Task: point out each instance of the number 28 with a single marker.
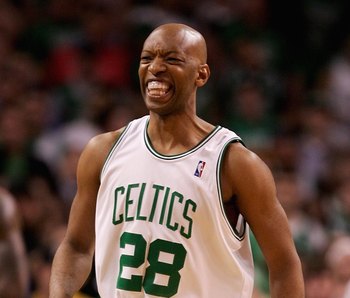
(147, 282)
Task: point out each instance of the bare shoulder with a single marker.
(238, 155)
(242, 170)
(93, 157)
(104, 142)
(100, 145)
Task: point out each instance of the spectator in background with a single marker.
(250, 116)
(14, 278)
(309, 236)
(339, 87)
(338, 263)
(338, 211)
(17, 160)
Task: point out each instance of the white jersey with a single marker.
(161, 229)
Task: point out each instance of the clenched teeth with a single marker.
(156, 88)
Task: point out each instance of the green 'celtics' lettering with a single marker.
(154, 203)
(165, 201)
(183, 232)
(171, 207)
(139, 205)
(129, 201)
(121, 190)
(155, 200)
(156, 265)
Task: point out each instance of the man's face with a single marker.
(168, 70)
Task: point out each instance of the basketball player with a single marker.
(13, 262)
(151, 196)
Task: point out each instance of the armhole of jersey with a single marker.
(239, 230)
(111, 151)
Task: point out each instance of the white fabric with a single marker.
(138, 188)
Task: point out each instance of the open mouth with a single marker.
(157, 88)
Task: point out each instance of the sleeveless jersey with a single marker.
(161, 229)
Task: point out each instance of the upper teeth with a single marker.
(157, 85)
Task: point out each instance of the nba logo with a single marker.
(200, 168)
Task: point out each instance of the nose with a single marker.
(157, 66)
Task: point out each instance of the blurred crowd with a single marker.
(280, 79)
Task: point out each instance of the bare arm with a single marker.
(248, 177)
(73, 259)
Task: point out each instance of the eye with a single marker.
(145, 59)
(173, 60)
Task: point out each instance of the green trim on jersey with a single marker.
(238, 235)
(115, 145)
(176, 156)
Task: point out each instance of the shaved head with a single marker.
(188, 38)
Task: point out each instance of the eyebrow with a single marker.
(167, 53)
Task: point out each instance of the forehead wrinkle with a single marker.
(188, 41)
(157, 48)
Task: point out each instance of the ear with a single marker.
(203, 75)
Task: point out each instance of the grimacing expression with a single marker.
(172, 66)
